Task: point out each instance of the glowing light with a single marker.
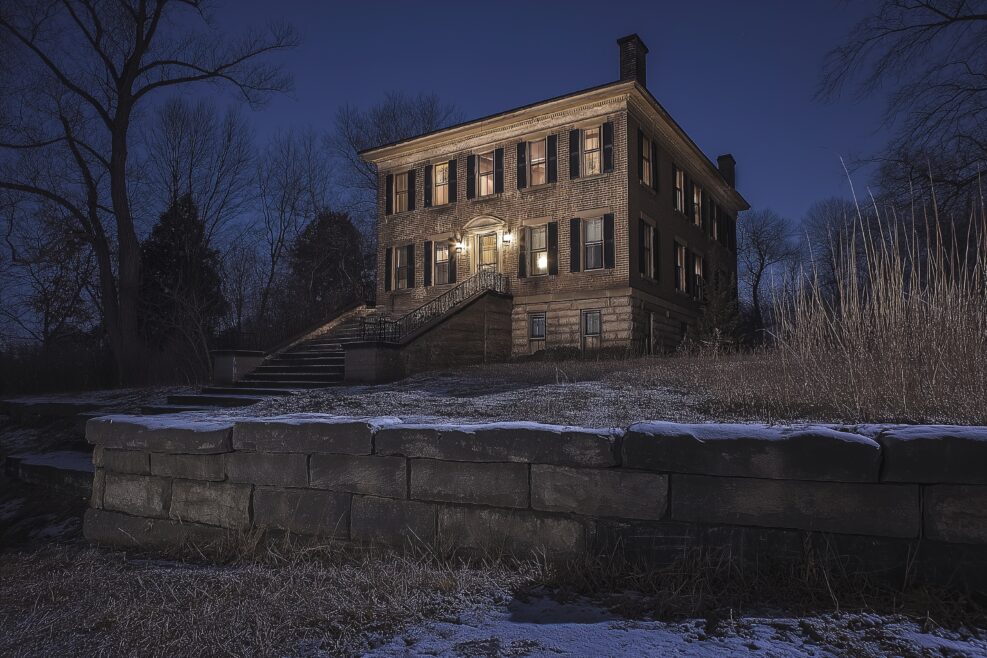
(543, 261)
(508, 238)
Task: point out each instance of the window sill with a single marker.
(536, 188)
(650, 190)
(401, 291)
(487, 197)
(593, 177)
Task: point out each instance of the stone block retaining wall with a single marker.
(889, 497)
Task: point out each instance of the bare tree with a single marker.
(393, 119)
(195, 153)
(765, 243)
(77, 74)
(293, 183)
(931, 55)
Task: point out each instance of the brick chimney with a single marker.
(728, 168)
(633, 59)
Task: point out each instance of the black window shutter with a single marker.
(411, 265)
(452, 181)
(654, 166)
(411, 189)
(522, 166)
(427, 203)
(608, 246)
(656, 253)
(574, 153)
(690, 267)
(427, 265)
(640, 247)
(389, 195)
(608, 146)
(452, 261)
(522, 254)
(640, 154)
(553, 247)
(575, 248)
(499, 171)
(553, 158)
(470, 176)
(675, 181)
(689, 198)
(388, 258)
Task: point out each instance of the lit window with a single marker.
(537, 168)
(485, 174)
(647, 250)
(680, 190)
(646, 161)
(714, 221)
(591, 151)
(680, 274)
(401, 192)
(440, 181)
(536, 332)
(539, 250)
(401, 268)
(697, 205)
(593, 239)
(441, 263)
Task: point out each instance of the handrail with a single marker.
(384, 330)
(302, 335)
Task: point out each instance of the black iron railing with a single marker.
(385, 330)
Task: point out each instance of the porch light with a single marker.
(460, 247)
(508, 238)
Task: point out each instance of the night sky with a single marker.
(738, 76)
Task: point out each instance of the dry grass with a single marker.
(87, 602)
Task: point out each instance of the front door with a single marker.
(487, 252)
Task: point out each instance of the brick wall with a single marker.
(888, 495)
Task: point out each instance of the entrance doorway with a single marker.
(487, 257)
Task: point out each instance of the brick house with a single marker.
(605, 221)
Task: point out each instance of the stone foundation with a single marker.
(886, 499)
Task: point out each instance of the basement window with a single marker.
(536, 332)
(591, 329)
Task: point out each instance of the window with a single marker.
(699, 281)
(440, 183)
(536, 332)
(401, 268)
(593, 241)
(485, 174)
(539, 250)
(680, 190)
(697, 205)
(647, 250)
(646, 161)
(537, 166)
(487, 257)
(590, 330)
(680, 282)
(714, 221)
(401, 192)
(441, 263)
(591, 151)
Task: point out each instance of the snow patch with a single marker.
(704, 432)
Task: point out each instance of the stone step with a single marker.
(66, 470)
(307, 361)
(287, 383)
(158, 409)
(330, 378)
(215, 400)
(328, 368)
(247, 390)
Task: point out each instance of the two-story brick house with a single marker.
(606, 219)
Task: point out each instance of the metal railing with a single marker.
(385, 330)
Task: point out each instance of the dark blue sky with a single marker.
(738, 76)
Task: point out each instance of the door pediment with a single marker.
(484, 223)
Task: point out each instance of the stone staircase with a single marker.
(317, 361)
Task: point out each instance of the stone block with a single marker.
(362, 474)
(956, 513)
(935, 454)
(125, 461)
(502, 442)
(392, 522)
(510, 531)
(115, 529)
(97, 456)
(599, 492)
(499, 485)
(221, 504)
(303, 511)
(886, 510)
(276, 470)
(99, 487)
(165, 433)
(139, 495)
(189, 467)
(757, 451)
(308, 433)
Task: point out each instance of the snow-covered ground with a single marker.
(542, 627)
